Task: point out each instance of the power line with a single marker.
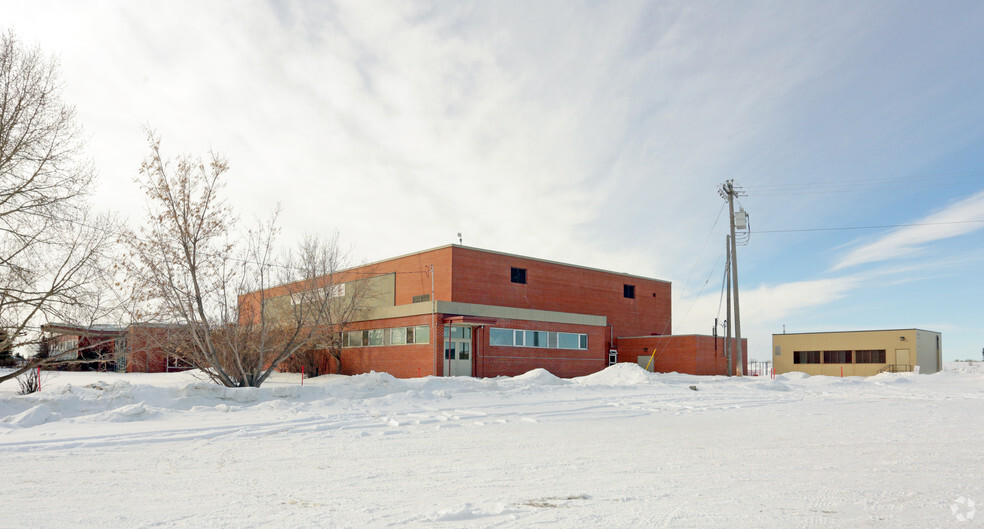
(850, 190)
(855, 186)
(930, 180)
(701, 254)
(874, 227)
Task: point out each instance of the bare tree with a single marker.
(49, 245)
(243, 307)
(325, 293)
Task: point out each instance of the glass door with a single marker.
(457, 351)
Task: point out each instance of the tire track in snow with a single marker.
(257, 429)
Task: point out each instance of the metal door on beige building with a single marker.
(457, 351)
(902, 358)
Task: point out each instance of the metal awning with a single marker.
(468, 321)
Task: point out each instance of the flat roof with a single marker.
(81, 330)
(845, 332)
(721, 336)
(508, 255)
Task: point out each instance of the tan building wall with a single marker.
(852, 353)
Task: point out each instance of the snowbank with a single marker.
(619, 448)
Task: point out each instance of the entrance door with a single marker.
(457, 351)
(902, 359)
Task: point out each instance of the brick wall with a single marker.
(492, 361)
(692, 354)
(402, 361)
(470, 275)
(484, 278)
(405, 361)
(146, 349)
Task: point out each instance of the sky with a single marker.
(594, 133)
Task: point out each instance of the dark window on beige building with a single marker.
(837, 357)
(806, 357)
(870, 356)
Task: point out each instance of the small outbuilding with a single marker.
(858, 353)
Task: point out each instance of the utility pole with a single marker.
(727, 321)
(433, 329)
(728, 192)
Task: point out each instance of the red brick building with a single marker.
(137, 348)
(457, 310)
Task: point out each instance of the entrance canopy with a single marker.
(469, 321)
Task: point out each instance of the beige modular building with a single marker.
(858, 353)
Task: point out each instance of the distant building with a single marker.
(861, 353)
(136, 348)
(483, 313)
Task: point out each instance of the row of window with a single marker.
(546, 339)
(391, 336)
(864, 356)
(332, 291)
(500, 337)
(518, 275)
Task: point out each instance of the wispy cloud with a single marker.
(556, 130)
(962, 217)
(579, 131)
(773, 302)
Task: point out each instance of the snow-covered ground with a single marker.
(621, 448)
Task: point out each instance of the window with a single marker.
(535, 339)
(806, 357)
(870, 356)
(455, 331)
(518, 275)
(318, 294)
(421, 298)
(421, 334)
(628, 291)
(569, 340)
(391, 336)
(837, 357)
(501, 337)
(538, 339)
